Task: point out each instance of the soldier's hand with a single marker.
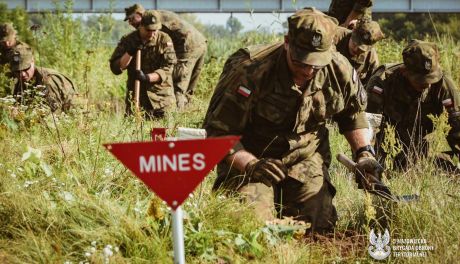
(141, 76)
(132, 49)
(368, 170)
(267, 171)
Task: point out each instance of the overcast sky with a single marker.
(273, 21)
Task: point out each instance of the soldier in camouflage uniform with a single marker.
(357, 46)
(56, 89)
(278, 98)
(190, 46)
(157, 62)
(347, 11)
(8, 41)
(133, 15)
(406, 94)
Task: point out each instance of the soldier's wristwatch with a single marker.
(367, 148)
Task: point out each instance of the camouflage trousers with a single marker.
(305, 195)
(185, 76)
(154, 101)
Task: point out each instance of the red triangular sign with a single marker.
(172, 169)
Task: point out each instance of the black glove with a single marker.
(267, 171)
(141, 76)
(132, 49)
(368, 170)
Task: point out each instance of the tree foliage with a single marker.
(402, 26)
(20, 20)
(234, 25)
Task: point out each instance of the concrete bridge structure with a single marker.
(233, 6)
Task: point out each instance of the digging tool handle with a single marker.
(137, 83)
(379, 188)
(347, 162)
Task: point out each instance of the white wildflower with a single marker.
(29, 183)
(108, 171)
(67, 196)
(107, 253)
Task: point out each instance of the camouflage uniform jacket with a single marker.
(57, 89)
(340, 9)
(186, 38)
(257, 99)
(157, 55)
(5, 54)
(390, 94)
(365, 64)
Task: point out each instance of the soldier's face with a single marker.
(353, 48)
(419, 86)
(27, 74)
(416, 84)
(135, 20)
(147, 34)
(9, 42)
(301, 72)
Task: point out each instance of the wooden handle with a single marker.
(347, 162)
(137, 83)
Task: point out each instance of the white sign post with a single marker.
(178, 235)
(178, 214)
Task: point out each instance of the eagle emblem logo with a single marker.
(366, 36)
(316, 40)
(379, 248)
(428, 65)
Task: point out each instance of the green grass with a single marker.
(63, 197)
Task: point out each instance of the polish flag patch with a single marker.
(447, 103)
(244, 91)
(377, 90)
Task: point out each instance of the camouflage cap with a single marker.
(21, 59)
(421, 59)
(136, 8)
(366, 33)
(151, 20)
(6, 31)
(311, 33)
